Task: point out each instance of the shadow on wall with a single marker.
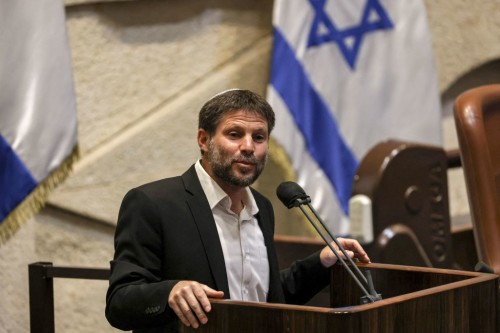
(487, 73)
(149, 13)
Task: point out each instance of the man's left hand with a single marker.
(352, 247)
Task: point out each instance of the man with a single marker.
(207, 234)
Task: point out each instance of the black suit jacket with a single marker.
(166, 233)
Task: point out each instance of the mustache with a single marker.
(246, 159)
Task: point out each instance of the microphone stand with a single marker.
(369, 297)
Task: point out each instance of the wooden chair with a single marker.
(477, 120)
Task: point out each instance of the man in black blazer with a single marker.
(207, 234)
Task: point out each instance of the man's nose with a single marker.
(247, 144)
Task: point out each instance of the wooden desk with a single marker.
(416, 299)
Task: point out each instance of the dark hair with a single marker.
(237, 99)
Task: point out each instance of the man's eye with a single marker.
(259, 138)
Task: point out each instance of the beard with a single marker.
(222, 166)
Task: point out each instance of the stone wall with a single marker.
(142, 71)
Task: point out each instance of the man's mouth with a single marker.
(245, 162)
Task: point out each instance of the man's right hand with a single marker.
(189, 300)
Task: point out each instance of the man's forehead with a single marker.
(242, 115)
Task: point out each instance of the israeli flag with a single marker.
(346, 75)
(38, 125)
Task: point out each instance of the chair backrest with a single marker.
(477, 120)
(407, 186)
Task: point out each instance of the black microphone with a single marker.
(292, 195)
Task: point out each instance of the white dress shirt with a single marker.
(245, 254)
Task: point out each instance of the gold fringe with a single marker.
(37, 198)
(283, 162)
(281, 158)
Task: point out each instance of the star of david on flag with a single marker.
(346, 75)
(324, 30)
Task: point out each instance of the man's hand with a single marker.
(189, 300)
(352, 248)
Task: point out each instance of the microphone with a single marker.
(292, 195)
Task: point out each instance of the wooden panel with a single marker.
(418, 300)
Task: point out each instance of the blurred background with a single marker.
(142, 70)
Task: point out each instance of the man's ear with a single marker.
(203, 139)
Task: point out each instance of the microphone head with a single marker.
(291, 194)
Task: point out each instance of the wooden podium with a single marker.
(415, 299)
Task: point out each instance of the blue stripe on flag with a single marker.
(16, 181)
(313, 118)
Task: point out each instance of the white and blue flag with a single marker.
(346, 75)
(38, 125)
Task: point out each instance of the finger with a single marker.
(358, 250)
(355, 246)
(177, 301)
(349, 253)
(188, 313)
(205, 293)
(212, 292)
(198, 302)
(179, 313)
(202, 298)
(180, 295)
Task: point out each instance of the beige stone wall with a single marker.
(142, 70)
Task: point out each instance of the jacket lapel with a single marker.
(203, 218)
(265, 218)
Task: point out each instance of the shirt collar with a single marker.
(215, 194)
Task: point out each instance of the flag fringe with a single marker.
(282, 160)
(35, 201)
(280, 157)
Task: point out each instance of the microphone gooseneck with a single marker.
(292, 195)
